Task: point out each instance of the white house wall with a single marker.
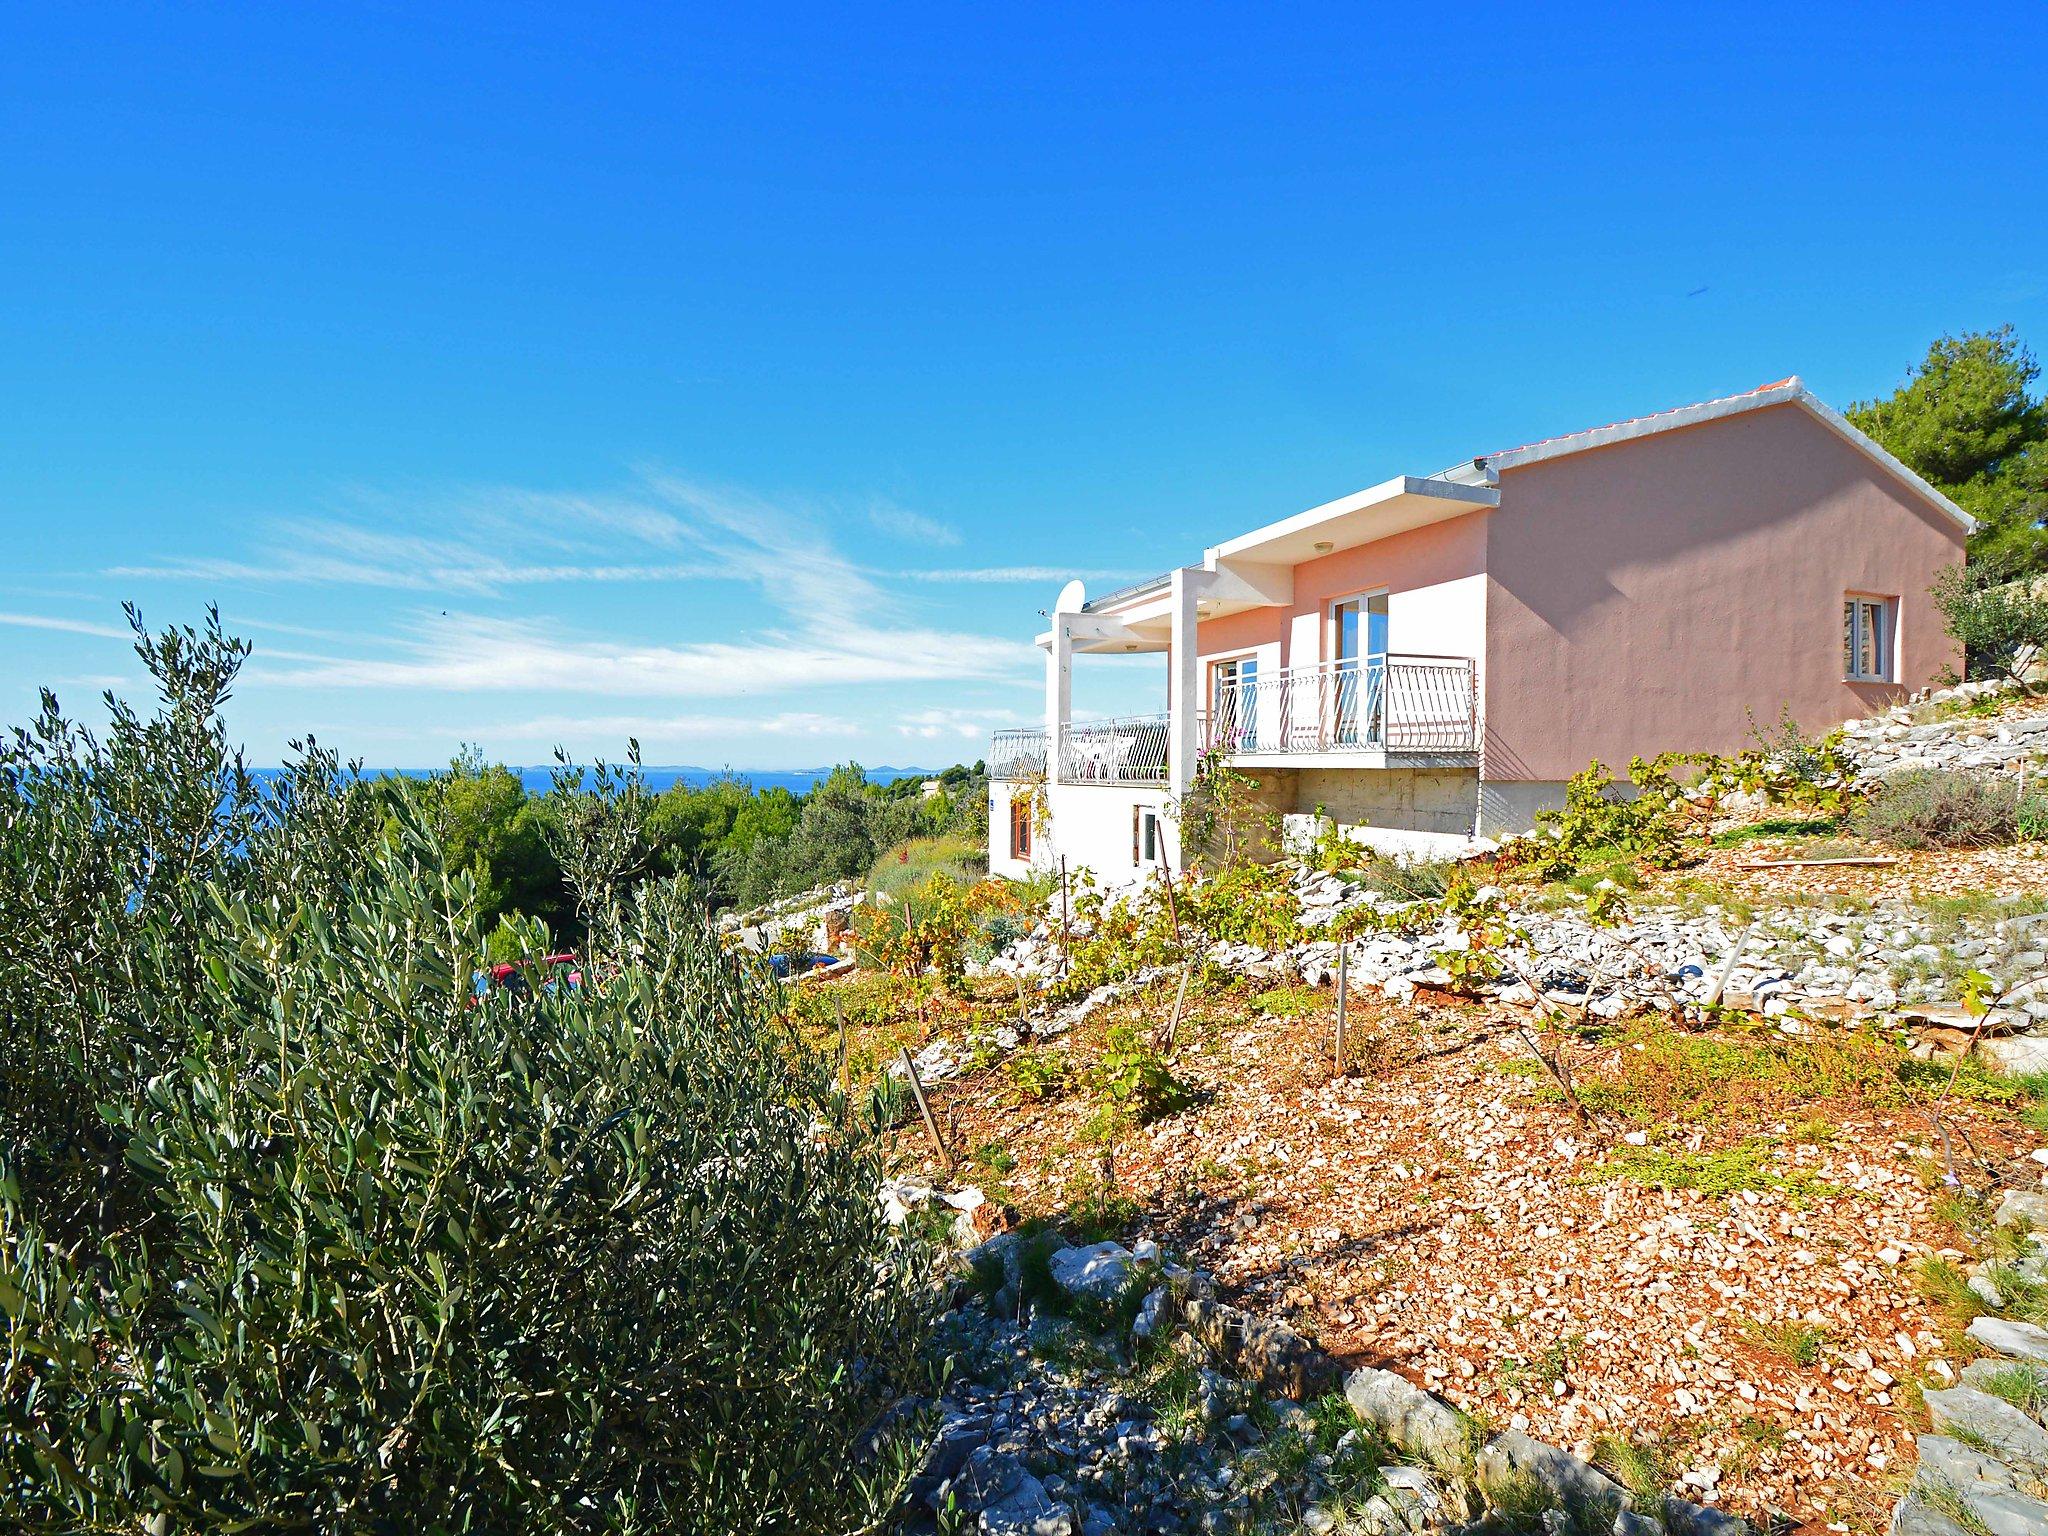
(1091, 827)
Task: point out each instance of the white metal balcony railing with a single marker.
(1131, 750)
(1399, 704)
(1015, 755)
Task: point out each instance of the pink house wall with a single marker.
(1435, 577)
(1644, 597)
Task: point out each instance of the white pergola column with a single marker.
(1059, 694)
(1184, 682)
(1059, 677)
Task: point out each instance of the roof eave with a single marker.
(1456, 498)
(1873, 449)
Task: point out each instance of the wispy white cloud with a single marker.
(468, 652)
(666, 528)
(826, 620)
(66, 626)
(902, 523)
(340, 552)
(942, 723)
(995, 575)
(99, 682)
(237, 623)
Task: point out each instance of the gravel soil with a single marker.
(1442, 1211)
(2019, 872)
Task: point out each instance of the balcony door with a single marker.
(1358, 644)
(1234, 703)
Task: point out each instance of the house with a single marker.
(1429, 659)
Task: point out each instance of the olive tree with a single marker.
(299, 1232)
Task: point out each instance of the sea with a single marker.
(538, 781)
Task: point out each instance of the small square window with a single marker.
(1867, 640)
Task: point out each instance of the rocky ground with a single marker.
(1982, 727)
(1984, 1464)
(1691, 1241)
(1097, 1389)
(1443, 1213)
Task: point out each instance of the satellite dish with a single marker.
(1073, 597)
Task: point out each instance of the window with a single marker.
(1147, 847)
(1867, 639)
(1359, 629)
(1020, 826)
(1234, 703)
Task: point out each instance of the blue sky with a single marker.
(746, 379)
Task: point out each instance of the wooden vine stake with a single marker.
(924, 1108)
(1343, 996)
(1063, 911)
(845, 1077)
(1180, 997)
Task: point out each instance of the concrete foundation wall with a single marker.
(1410, 799)
(1510, 805)
(1273, 799)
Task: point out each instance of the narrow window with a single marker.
(1020, 827)
(1867, 640)
(1144, 836)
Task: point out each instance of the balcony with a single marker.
(1402, 704)
(1130, 750)
(1365, 714)
(1016, 755)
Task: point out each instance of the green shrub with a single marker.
(1787, 766)
(1797, 1341)
(298, 1233)
(1289, 1002)
(1222, 819)
(1416, 880)
(1656, 1073)
(1997, 613)
(1101, 1213)
(865, 1000)
(1601, 815)
(1643, 1469)
(1940, 808)
(1777, 826)
(1041, 1073)
(2030, 824)
(1244, 904)
(2024, 1386)
(910, 864)
(1729, 1171)
(1134, 1078)
(997, 932)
